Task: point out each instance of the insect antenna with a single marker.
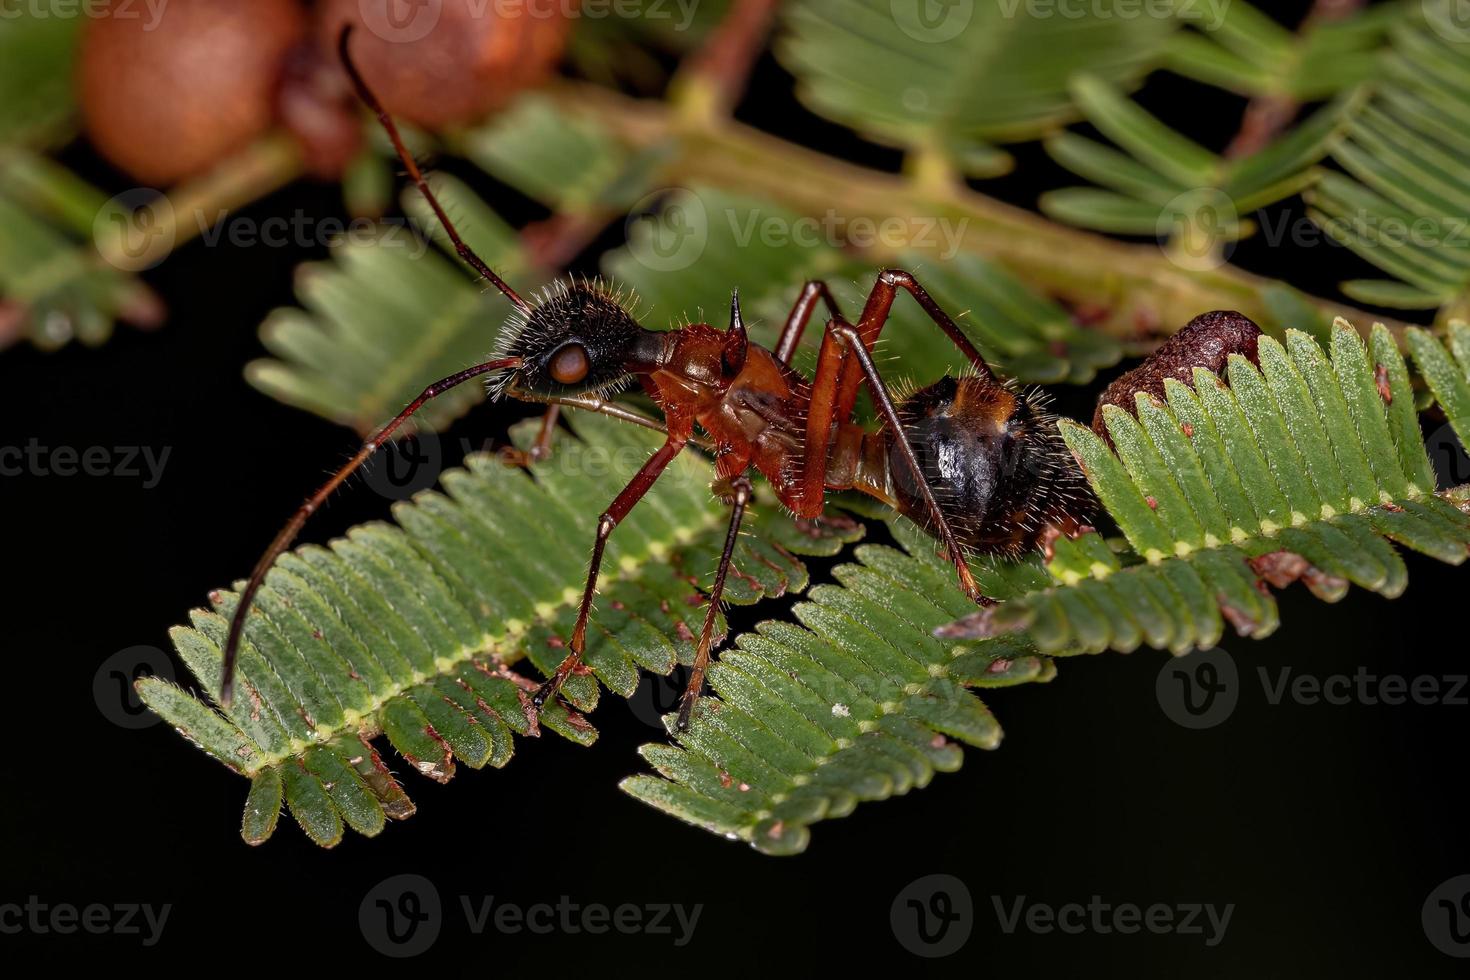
(287, 534)
(465, 252)
(293, 527)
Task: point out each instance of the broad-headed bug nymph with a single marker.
(973, 459)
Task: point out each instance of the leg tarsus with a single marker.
(540, 449)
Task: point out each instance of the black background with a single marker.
(1325, 826)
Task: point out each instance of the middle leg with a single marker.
(741, 491)
(642, 481)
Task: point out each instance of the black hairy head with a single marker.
(577, 338)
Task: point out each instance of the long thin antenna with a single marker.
(293, 527)
(371, 100)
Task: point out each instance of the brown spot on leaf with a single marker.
(1188, 429)
(1380, 379)
(1242, 622)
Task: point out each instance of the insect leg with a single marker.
(616, 511)
(875, 315)
(801, 314)
(293, 527)
(371, 101)
(843, 336)
(541, 447)
(743, 491)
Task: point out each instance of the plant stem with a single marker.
(1140, 289)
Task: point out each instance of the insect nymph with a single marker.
(974, 460)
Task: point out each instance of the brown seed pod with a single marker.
(440, 62)
(1207, 341)
(166, 98)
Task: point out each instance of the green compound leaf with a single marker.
(408, 632)
(1236, 47)
(951, 79)
(1301, 470)
(1159, 182)
(1400, 206)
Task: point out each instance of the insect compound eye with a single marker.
(570, 364)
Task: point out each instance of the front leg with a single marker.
(642, 481)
